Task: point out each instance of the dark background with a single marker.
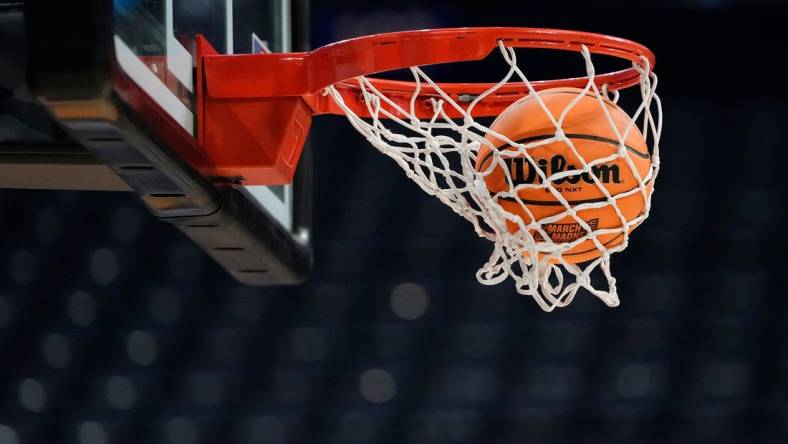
(115, 329)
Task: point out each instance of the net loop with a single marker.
(439, 153)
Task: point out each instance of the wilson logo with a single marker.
(523, 171)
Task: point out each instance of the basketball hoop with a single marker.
(430, 130)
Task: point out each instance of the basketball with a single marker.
(589, 129)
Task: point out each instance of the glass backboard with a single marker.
(154, 46)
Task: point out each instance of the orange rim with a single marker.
(307, 74)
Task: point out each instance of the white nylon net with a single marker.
(440, 153)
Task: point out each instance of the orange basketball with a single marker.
(592, 135)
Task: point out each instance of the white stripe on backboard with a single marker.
(228, 26)
(286, 25)
(179, 61)
(148, 82)
(280, 210)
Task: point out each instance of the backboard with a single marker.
(154, 45)
(123, 87)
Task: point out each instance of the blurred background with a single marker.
(114, 328)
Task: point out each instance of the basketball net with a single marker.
(440, 153)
